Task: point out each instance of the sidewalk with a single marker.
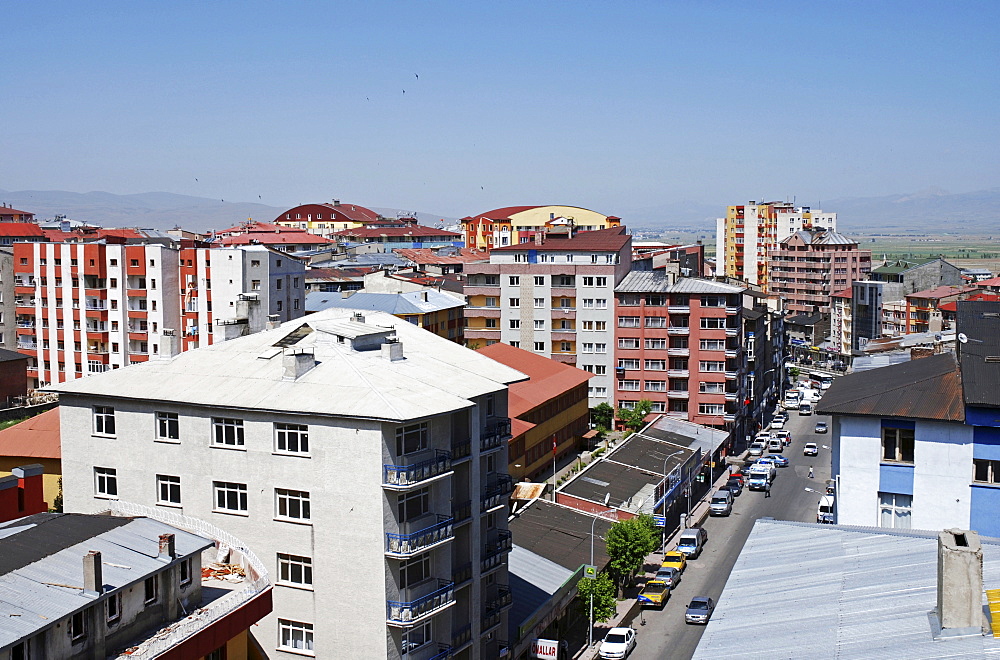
(628, 609)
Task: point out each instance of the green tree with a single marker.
(603, 590)
(634, 418)
(603, 415)
(629, 542)
(57, 506)
(793, 373)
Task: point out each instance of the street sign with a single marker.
(589, 571)
(660, 521)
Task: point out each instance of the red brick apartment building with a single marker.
(809, 265)
(679, 344)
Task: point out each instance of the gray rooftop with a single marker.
(830, 591)
(413, 302)
(436, 376)
(979, 355)
(638, 281)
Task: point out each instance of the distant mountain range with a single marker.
(931, 211)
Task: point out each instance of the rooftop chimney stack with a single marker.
(295, 362)
(167, 548)
(959, 583)
(93, 578)
(273, 321)
(392, 349)
(170, 345)
(358, 317)
(539, 238)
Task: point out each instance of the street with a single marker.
(665, 634)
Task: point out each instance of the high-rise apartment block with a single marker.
(85, 308)
(808, 266)
(554, 296)
(365, 458)
(747, 233)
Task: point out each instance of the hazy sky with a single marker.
(612, 106)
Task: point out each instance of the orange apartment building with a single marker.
(923, 308)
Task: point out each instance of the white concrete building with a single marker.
(362, 457)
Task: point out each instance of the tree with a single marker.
(603, 415)
(793, 373)
(629, 542)
(603, 590)
(634, 418)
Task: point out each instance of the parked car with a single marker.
(721, 504)
(756, 449)
(699, 610)
(739, 475)
(618, 643)
(821, 427)
(776, 445)
(805, 409)
(669, 575)
(735, 486)
(674, 559)
(692, 541)
(778, 460)
(810, 449)
(778, 423)
(784, 436)
(654, 594)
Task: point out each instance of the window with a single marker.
(628, 342)
(414, 571)
(416, 637)
(277, 285)
(106, 482)
(539, 303)
(491, 302)
(627, 405)
(711, 409)
(515, 344)
(167, 426)
(113, 608)
(600, 370)
(628, 363)
(655, 300)
(492, 323)
(600, 281)
(539, 280)
(566, 346)
(291, 504)
(713, 344)
(293, 569)
(713, 301)
(566, 303)
(279, 305)
(656, 321)
(168, 489)
(588, 303)
(539, 346)
(255, 285)
(230, 497)
(410, 439)
(713, 323)
(134, 263)
(515, 302)
(628, 385)
(897, 445)
(114, 262)
(628, 321)
(658, 407)
(254, 263)
(227, 431)
(539, 324)
(514, 324)
(295, 635)
(514, 280)
(186, 572)
(712, 388)
(711, 366)
(894, 510)
(985, 471)
(104, 420)
(656, 386)
(600, 348)
(77, 627)
(656, 343)
(565, 280)
(151, 590)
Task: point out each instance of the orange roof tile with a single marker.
(37, 437)
(547, 379)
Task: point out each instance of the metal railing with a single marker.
(462, 636)
(404, 545)
(409, 475)
(205, 616)
(462, 574)
(494, 435)
(495, 492)
(503, 599)
(461, 450)
(444, 651)
(495, 549)
(461, 511)
(406, 612)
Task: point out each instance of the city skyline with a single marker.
(609, 108)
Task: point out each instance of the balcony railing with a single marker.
(502, 600)
(408, 613)
(732, 332)
(26, 324)
(399, 477)
(462, 574)
(444, 651)
(462, 511)
(494, 435)
(494, 550)
(678, 394)
(496, 492)
(26, 346)
(679, 352)
(462, 636)
(678, 330)
(490, 620)
(402, 546)
(461, 451)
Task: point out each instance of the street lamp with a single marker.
(590, 630)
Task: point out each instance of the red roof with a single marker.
(6, 210)
(411, 230)
(20, 229)
(941, 292)
(274, 238)
(953, 305)
(995, 281)
(611, 239)
(58, 236)
(431, 256)
(547, 379)
(502, 214)
(37, 437)
(256, 226)
(846, 293)
(353, 212)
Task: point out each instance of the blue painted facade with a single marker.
(895, 479)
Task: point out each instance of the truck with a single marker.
(760, 476)
(792, 399)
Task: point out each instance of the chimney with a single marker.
(959, 583)
(168, 549)
(392, 349)
(273, 321)
(169, 344)
(346, 293)
(93, 578)
(297, 361)
(424, 295)
(336, 202)
(358, 317)
(31, 499)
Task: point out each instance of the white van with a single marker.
(721, 504)
(824, 512)
(692, 542)
(775, 445)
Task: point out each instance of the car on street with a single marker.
(654, 594)
(722, 503)
(669, 575)
(821, 427)
(735, 486)
(784, 436)
(778, 460)
(739, 475)
(756, 449)
(674, 559)
(778, 423)
(810, 449)
(805, 409)
(618, 643)
(699, 610)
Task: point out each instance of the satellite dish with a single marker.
(962, 337)
(607, 497)
(937, 336)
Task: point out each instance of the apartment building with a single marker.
(285, 239)
(85, 308)
(7, 309)
(432, 310)
(923, 308)
(749, 231)
(808, 266)
(8, 214)
(842, 322)
(365, 459)
(554, 296)
(513, 225)
(327, 217)
(680, 345)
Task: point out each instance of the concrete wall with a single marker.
(8, 317)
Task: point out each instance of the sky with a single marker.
(460, 107)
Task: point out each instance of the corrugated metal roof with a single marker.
(533, 581)
(412, 302)
(653, 282)
(979, 355)
(828, 591)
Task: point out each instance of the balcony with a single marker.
(733, 352)
(403, 477)
(677, 394)
(403, 546)
(729, 417)
(564, 312)
(461, 512)
(494, 435)
(461, 575)
(461, 637)
(678, 330)
(731, 375)
(679, 309)
(678, 373)
(27, 346)
(25, 324)
(733, 310)
(25, 302)
(443, 651)
(461, 451)
(410, 613)
(732, 332)
(496, 493)
(502, 600)
(679, 352)
(495, 549)
(731, 396)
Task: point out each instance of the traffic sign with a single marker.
(660, 521)
(589, 571)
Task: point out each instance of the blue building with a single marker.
(917, 444)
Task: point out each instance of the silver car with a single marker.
(700, 610)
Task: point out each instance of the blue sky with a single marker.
(611, 106)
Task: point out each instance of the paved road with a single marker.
(665, 634)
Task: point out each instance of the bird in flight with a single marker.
(404, 91)
(417, 75)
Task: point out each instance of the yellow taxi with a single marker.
(674, 560)
(654, 594)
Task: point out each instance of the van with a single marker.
(692, 542)
(775, 445)
(721, 504)
(805, 409)
(824, 511)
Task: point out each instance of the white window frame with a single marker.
(295, 566)
(233, 493)
(628, 343)
(711, 409)
(655, 386)
(655, 365)
(291, 439)
(600, 348)
(629, 385)
(539, 324)
(167, 486)
(655, 343)
(899, 512)
(168, 427)
(104, 421)
(106, 483)
(112, 609)
(295, 636)
(227, 432)
(292, 505)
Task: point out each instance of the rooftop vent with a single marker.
(392, 349)
(296, 362)
(358, 317)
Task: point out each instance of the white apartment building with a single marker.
(363, 458)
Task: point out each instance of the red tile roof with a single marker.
(37, 437)
(612, 239)
(995, 281)
(58, 236)
(353, 212)
(274, 238)
(953, 305)
(846, 293)
(256, 226)
(6, 210)
(941, 292)
(547, 379)
(411, 230)
(502, 214)
(20, 229)
(423, 256)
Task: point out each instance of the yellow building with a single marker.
(512, 225)
(326, 218)
(35, 440)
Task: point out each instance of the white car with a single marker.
(777, 423)
(618, 643)
(810, 449)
